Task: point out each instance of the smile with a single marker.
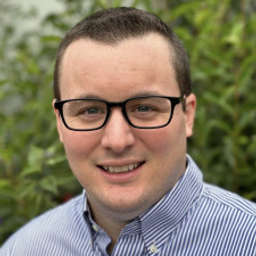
(121, 169)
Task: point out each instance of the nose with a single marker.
(117, 134)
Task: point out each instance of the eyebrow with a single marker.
(89, 95)
(139, 94)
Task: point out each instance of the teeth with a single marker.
(120, 169)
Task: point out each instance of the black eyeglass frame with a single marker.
(174, 101)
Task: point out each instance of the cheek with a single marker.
(165, 141)
(156, 140)
(79, 144)
(171, 135)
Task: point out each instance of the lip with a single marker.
(123, 177)
(118, 163)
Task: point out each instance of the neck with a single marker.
(112, 227)
(111, 224)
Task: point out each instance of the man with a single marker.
(124, 110)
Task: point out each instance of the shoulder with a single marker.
(46, 230)
(228, 200)
(60, 215)
(224, 218)
(228, 213)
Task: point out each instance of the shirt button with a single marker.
(95, 228)
(153, 248)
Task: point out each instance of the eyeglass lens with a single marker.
(141, 112)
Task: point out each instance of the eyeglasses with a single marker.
(145, 112)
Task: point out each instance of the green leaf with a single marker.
(235, 35)
(49, 184)
(50, 38)
(4, 183)
(35, 156)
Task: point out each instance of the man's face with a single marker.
(136, 66)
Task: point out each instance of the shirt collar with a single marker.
(157, 223)
(162, 218)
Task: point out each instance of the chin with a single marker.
(128, 207)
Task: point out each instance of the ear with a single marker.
(58, 121)
(190, 113)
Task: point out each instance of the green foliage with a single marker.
(220, 37)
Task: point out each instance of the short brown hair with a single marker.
(113, 25)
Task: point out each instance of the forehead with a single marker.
(136, 63)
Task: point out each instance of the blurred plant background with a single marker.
(220, 36)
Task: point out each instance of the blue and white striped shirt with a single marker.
(193, 219)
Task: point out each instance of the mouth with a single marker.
(120, 169)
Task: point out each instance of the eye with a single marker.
(144, 108)
(90, 111)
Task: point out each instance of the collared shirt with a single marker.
(193, 219)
